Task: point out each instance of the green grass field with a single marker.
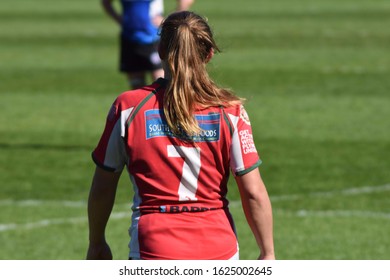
(316, 78)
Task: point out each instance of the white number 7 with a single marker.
(191, 168)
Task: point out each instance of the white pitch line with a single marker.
(38, 202)
(336, 213)
(121, 215)
(50, 222)
(344, 192)
(83, 204)
(233, 204)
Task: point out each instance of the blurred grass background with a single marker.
(315, 76)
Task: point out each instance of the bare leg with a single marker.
(136, 79)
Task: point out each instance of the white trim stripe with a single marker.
(236, 160)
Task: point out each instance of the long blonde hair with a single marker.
(186, 46)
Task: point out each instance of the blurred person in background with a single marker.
(180, 138)
(139, 22)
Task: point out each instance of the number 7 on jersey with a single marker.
(191, 168)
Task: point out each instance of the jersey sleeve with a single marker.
(110, 153)
(243, 153)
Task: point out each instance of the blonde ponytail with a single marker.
(186, 45)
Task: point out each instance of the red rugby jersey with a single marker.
(180, 210)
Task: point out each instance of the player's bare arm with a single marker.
(110, 10)
(258, 211)
(100, 204)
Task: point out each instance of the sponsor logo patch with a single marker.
(244, 115)
(156, 126)
(184, 208)
(247, 143)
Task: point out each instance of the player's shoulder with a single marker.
(132, 98)
(238, 112)
(234, 109)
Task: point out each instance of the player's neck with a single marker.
(167, 72)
